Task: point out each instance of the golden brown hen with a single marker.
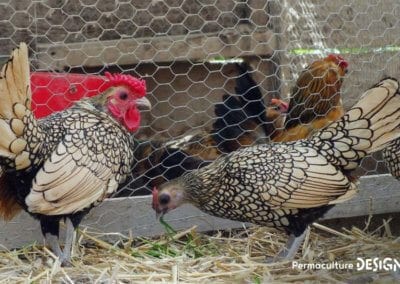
(316, 99)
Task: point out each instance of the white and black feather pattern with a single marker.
(264, 183)
(85, 155)
(290, 185)
(367, 127)
(391, 156)
(65, 162)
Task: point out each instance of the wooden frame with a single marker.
(243, 41)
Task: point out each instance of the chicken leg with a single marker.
(291, 248)
(69, 237)
(50, 229)
(52, 240)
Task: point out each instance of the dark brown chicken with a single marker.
(60, 166)
(290, 185)
(316, 99)
(241, 120)
(244, 119)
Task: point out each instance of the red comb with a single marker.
(138, 86)
(339, 60)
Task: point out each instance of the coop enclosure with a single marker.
(186, 51)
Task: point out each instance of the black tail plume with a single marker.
(238, 116)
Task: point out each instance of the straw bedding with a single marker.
(218, 257)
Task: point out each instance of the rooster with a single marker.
(60, 166)
(290, 185)
(316, 99)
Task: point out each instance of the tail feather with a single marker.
(249, 93)
(15, 97)
(369, 126)
(381, 106)
(231, 124)
(9, 206)
(391, 156)
(242, 119)
(15, 82)
(252, 99)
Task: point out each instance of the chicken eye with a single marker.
(123, 96)
(164, 199)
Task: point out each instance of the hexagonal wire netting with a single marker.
(186, 51)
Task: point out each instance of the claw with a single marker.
(65, 262)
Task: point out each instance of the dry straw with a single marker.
(192, 257)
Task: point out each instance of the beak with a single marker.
(283, 106)
(143, 104)
(159, 214)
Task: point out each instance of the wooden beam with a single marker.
(378, 195)
(243, 41)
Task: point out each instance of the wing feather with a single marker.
(292, 176)
(66, 185)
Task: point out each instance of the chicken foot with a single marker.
(291, 248)
(69, 237)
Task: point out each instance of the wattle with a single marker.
(131, 118)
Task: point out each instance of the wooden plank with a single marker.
(378, 195)
(243, 41)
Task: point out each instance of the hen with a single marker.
(241, 120)
(61, 166)
(316, 99)
(290, 185)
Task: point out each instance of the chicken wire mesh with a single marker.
(186, 49)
